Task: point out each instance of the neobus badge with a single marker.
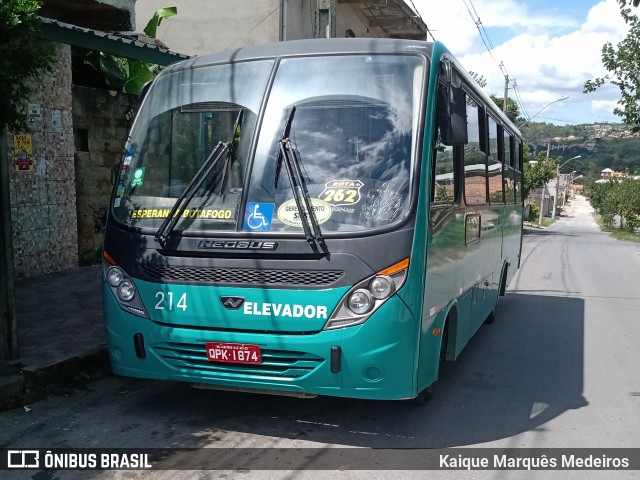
(232, 303)
(237, 245)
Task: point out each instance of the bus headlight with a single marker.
(381, 287)
(122, 287)
(115, 276)
(367, 296)
(126, 291)
(360, 301)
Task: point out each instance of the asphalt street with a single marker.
(558, 369)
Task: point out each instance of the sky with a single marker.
(548, 47)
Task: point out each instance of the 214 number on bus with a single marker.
(167, 301)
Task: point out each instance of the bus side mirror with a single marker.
(452, 108)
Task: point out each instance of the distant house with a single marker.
(609, 174)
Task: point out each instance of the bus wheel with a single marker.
(423, 397)
(492, 317)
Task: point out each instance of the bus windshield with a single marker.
(354, 131)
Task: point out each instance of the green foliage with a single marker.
(535, 130)
(442, 195)
(125, 74)
(619, 154)
(23, 57)
(623, 64)
(537, 175)
(152, 27)
(513, 112)
(534, 212)
(614, 198)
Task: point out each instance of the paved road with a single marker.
(559, 368)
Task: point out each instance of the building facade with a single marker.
(61, 170)
(42, 177)
(203, 26)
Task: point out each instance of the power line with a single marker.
(567, 121)
(516, 92)
(256, 25)
(481, 30)
(489, 45)
(422, 19)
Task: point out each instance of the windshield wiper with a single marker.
(221, 150)
(226, 167)
(291, 157)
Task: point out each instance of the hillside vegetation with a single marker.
(598, 147)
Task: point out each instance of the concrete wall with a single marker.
(101, 122)
(346, 18)
(300, 21)
(205, 26)
(43, 203)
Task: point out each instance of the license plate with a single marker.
(233, 352)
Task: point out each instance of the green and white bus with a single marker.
(313, 217)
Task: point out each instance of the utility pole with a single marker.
(541, 205)
(544, 188)
(506, 93)
(8, 319)
(555, 195)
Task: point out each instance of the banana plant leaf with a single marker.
(154, 23)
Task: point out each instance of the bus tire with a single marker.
(503, 281)
(425, 395)
(503, 285)
(491, 317)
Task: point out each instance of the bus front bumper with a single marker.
(376, 360)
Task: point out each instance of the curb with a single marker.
(20, 389)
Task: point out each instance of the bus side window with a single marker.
(443, 189)
(475, 162)
(518, 172)
(495, 163)
(509, 171)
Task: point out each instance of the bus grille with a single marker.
(243, 276)
(280, 364)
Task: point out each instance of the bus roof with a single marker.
(318, 46)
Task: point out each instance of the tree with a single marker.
(513, 112)
(126, 74)
(23, 57)
(611, 199)
(537, 174)
(623, 64)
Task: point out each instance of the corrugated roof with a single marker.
(395, 18)
(129, 45)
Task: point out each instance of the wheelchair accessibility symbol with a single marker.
(258, 216)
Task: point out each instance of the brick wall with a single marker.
(43, 199)
(101, 122)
